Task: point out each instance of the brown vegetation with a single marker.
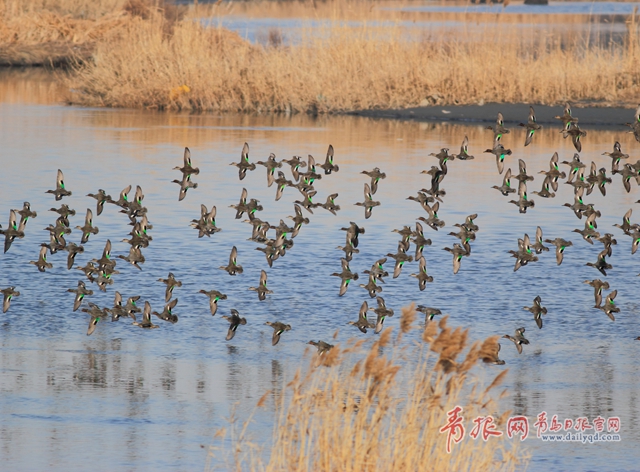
(347, 68)
(144, 54)
(381, 411)
(62, 32)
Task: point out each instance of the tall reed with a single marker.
(339, 68)
(382, 410)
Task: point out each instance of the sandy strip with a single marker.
(590, 117)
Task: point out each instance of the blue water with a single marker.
(553, 8)
(132, 399)
(292, 31)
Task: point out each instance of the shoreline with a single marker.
(514, 113)
(591, 117)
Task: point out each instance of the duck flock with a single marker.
(276, 240)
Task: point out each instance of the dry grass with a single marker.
(382, 411)
(54, 32)
(147, 54)
(344, 68)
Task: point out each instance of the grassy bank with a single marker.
(340, 68)
(145, 54)
(67, 32)
(381, 408)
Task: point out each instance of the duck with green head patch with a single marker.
(123, 199)
(561, 245)
(545, 191)
(81, 292)
(271, 164)
(7, 295)
(282, 182)
(419, 241)
(368, 203)
(353, 232)
(307, 201)
(523, 203)
(244, 165)
(567, 118)
(524, 254)
(346, 276)
(233, 267)
(372, 285)
(532, 126)
(500, 152)
(330, 204)
(106, 261)
(42, 263)
(400, 257)
(310, 176)
(296, 163)
(458, 252)
(597, 177)
(131, 308)
(185, 185)
(214, 297)
(505, 189)
(60, 190)
(25, 214)
(554, 173)
(171, 282)
(12, 232)
(429, 312)
(609, 307)
(88, 229)
(498, 129)
(434, 222)
(376, 175)
(262, 287)
(328, 165)
(97, 314)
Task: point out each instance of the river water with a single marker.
(132, 399)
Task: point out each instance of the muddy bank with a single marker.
(590, 117)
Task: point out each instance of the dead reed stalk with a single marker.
(385, 412)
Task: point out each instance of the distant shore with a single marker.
(183, 64)
(589, 116)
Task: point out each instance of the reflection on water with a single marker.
(292, 31)
(592, 24)
(126, 398)
(553, 8)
